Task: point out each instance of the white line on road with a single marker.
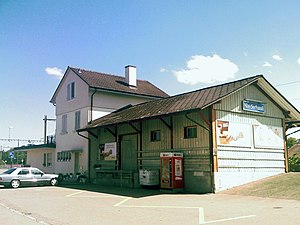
(201, 211)
(121, 202)
(76, 193)
(23, 214)
(228, 219)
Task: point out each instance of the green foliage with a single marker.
(291, 141)
(294, 160)
(18, 157)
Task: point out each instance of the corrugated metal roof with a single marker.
(199, 99)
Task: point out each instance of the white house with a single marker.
(83, 96)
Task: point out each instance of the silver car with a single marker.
(24, 176)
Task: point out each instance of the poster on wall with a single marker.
(110, 151)
(268, 136)
(233, 134)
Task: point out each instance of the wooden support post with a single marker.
(214, 141)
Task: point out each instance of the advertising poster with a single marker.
(268, 136)
(178, 168)
(110, 151)
(233, 134)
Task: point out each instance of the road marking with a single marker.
(228, 219)
(201, 218)
(76, 193)
(92, 196)
(200, 210)
(121, 202)
(24, 214)
(201, 215)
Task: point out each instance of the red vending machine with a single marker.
(171, 168)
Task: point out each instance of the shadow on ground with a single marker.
(122, 191)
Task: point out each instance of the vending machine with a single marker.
(171, 168)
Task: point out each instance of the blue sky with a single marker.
(177, 45)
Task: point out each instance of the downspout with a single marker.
(89, 155)
(92, 105)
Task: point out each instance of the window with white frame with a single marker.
(77, 120)
(64, 128)
(71, 91)
(47, 159)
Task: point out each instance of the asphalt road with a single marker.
(90, 204)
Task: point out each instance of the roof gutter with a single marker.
(130, 93)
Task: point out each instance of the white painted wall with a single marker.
(104, 102)
(71, 140)
(35, 158)
(226, 180)
(246, 162)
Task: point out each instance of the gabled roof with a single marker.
(196, 100)
(109, 82)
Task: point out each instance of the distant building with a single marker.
(41, 155)
(83, 96)
(294, 150)
(229, 134)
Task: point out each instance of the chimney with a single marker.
(130, 75)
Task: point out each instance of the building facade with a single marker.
(229, 135)
(83, 96)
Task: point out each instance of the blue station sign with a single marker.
(253, 106)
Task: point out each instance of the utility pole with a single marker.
(9, 128)
(45, 127)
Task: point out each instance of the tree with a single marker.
(291, 141)
(17, 159)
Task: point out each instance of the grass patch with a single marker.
(285, 186)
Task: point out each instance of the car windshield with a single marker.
(9, 171)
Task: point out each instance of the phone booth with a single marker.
(171, 167)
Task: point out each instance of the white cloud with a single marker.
(162, 70)
(298, 60)
(266, 64)
(206, 69)
(277, 57)
(54, 71)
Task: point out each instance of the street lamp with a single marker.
(9, 128)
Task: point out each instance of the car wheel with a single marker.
(53, 182)
(15, 183)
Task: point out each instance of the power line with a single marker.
(294, 99)
(14, 139)
(288, 83)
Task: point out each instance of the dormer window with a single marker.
(71, 91)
